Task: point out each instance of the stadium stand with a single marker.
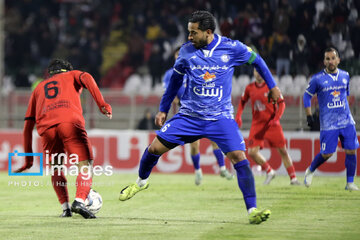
(115, 41)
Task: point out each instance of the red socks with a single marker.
(60, 186)
(266, 167)
(83, 185)
(291, 172)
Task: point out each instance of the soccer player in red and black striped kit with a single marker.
(56, 110)
(265, 125)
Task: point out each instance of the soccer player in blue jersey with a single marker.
(332, 88)
(208, 60)
(194, 146)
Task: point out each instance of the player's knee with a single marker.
(282, 151)
(157, 149)
(236, 156)
(253, 152)
(327, 156)
(152, 149)
(214, 145)
(194, 150)
(84, 163)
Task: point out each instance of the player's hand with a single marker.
(29, 160)
(239, 122)
(107, 110)
(310, 121)
(160, 118)
(274, 94)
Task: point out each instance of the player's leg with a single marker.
(78, 147)
(148, 160)
(285, 158)
(275, 136)
(255, 143)
(168, 137)
(328, 144)
(350, 143)
(232, 143)
(195, 157)
(254, 153)
(221, 162)
(53, 146)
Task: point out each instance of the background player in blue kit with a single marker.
(195, 146)
(208, 60)
(332, 88)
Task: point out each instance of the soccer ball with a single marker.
(93, 201)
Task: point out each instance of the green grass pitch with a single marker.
(174, 208)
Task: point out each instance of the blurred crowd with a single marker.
(116, 38)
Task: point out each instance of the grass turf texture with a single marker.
(174, 208)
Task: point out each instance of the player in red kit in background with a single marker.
(56, 110)
(265, 125)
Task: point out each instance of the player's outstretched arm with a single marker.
(88, 82)
(265, 73)
(244, 98)
(27, 135)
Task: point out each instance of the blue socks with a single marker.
(147, 162)
(246, 183)
(196, 161)
(219, 157)
(318, 160)
(350, 164)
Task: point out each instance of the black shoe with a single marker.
(66, 213)
(78, 207)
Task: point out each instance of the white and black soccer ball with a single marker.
(93, 201)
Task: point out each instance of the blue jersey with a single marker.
(332, 91)
(166, 81)
(209, 73)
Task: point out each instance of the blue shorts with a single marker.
(183, 129)
(329, 139)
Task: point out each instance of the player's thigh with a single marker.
(226, 134)
(75, 140)
(328, 141)
(181, 129)
(348, 138)
(52, 146)
(252, 140)
(275, 136)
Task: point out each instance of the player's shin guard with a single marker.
(147, 162)
(219, 157)
(246, 183)
(59, 183)
(350, 164)
(318, 160)
(83, 185)
(196, 161)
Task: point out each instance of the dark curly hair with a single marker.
(205, 19)
(58, 65)
(332, 49)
